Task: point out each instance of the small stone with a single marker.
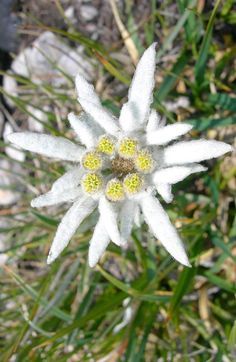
(34, 125)
(7, 181)
(88, 12)
(12, 151)
(40, 61)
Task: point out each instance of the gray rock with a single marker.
(8, 196)
(88, 12)
(8, 26)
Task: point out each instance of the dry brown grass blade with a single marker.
(203, 305)
(132, 50)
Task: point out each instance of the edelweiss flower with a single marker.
(121, 166)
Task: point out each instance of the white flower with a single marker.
(123, 163)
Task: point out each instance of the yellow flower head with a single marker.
(106, 145)
(127, 147)
(92, 161)
(91, 183)
(144, 161)
(133, 183)
(114, 190)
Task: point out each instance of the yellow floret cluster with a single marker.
(92, 183)
(144, 161)
(92, 161)
(106, 145)
(114, 190)
(133, 183)
(127, 147)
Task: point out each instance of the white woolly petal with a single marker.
(172, 175)
(167, 133)
(69, 180)
(53, 198)
(85, 90)
(136, 110)
(101, 116)
(127, 118)
(162, 122)
(137, 216)
(69, 224)
(153, 121)
(97, 130)
(164, 190)
(46, 145)
(90, 103)
(98, 243)
(194, 151)
(160, 224)
(83, 130)
(127, 214)
(109, 217)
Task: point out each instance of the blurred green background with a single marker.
(137, 305)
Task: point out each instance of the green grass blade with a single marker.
(200, 65)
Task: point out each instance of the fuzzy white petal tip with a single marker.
(92, 258)
(33, 203)
(168, 133)
(136, 111)
(91, 104)
(164, 189)
(229, 148)
(195, 151)
(54, 197)
(154, 121)
(85, 90)
(187, 263)
(109, 217)
(174, 174)
(47, 145)
(50, 259)
(69, 224)
(164, 231)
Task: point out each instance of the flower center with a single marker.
(121, 166)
